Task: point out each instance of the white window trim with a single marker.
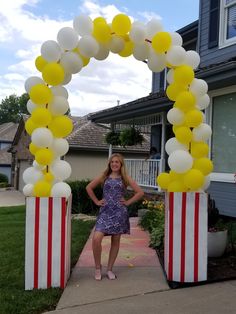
(218, 176)
(223, 42)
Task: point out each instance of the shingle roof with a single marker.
(8, 131)
(87, 134)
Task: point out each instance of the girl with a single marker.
(113, 218)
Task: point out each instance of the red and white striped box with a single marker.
(186, 236)
(47, 242)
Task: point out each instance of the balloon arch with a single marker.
(48, 124)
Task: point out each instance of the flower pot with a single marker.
(217, 242)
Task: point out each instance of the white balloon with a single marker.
(173, 144)
(137, 33)
(60, 146)
(116, 44)
(175, 116)
(71, 62)
(51, 51)
(198, 87)
(102, 53)
(207, 182)
(154, 26)
(67, 38)
(32, 81)
(60, 91)
(30, 106)
(38, 166)
(141, 51)
(42, 137)
(61, 169)
(28, 189)
(176, 39)
(203, 102)
(202, 132)
(88, 46)
(170, 76)
(59, 106)
(61, 189)
(32, 175)
(180, 161)
(156, 61)
(176, 55)
(67, 78)
(83, 25)
(192, 59)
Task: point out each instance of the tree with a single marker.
(12, 108)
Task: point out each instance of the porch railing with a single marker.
(144, 172)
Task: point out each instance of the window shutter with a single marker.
(214, 23)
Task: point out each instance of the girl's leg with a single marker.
(97, 251)
(115, 245)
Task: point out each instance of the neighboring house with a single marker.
(88, 151)
(214, 37)
(7, 133)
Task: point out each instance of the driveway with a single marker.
(11, 198)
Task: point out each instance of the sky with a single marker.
(27, 24)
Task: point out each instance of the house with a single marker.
(87, 155)
(213, 36)
(7, 133)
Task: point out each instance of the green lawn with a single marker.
(13, 298)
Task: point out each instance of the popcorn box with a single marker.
(47, 242)
(185, 243)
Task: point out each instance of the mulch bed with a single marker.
(218, 269)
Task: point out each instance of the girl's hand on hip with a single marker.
(124, 202)
(100, 202)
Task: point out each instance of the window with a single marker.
(228, 22)
(224, 133)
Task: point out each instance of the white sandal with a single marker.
(111, 275)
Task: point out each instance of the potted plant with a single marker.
(130, 137)
(217, 231)
(113, 138)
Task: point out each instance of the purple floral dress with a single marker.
(113, 217)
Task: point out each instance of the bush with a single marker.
(81, 203)
(154, 222)
(3, 178)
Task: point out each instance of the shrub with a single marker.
(113, 138)
(3, 178)
(81, 203)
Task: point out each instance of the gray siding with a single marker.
(213, 55)
(224, 195)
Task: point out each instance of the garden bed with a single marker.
(218, 269)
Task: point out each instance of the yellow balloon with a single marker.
(161, 42)
(173, 90)
(183, 74)
(40, 63)
(33, 148)
(121, 24)
(41, 117)
(98, 20)
(204, 164)
(127, 50)
(199, 149)
(53, 73)
(185, 101)
(61, 126)
(102, 32)
(177, 186)
(194, 179)
(30, 126)
(174, 176)
(44, 156)
(163, 180)
(193, 118)
(48, 176)
(40, 94)
(183, 135)
(42, 189)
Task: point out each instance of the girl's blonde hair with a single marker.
(108, 170)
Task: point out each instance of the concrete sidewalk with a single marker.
(140, 287)
(11, 198)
